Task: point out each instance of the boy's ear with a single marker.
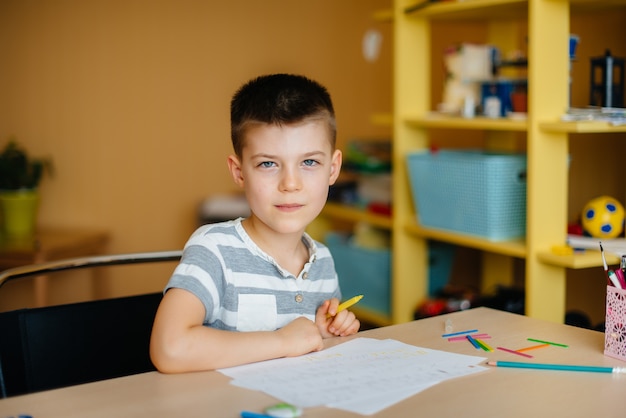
(234, 166)
(335, 166)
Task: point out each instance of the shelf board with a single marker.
(347, 213)
(441, 121)
(471, 10)
(371, 316)
(489, 9)
(513, 248)
(581, 127)
(601, 2)
(578, 260)
(591, 5)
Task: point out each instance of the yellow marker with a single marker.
(346, 304)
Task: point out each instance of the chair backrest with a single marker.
(58, 346)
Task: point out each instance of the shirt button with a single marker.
(299, 298)
(305, 275)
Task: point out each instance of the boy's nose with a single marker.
(290, 181)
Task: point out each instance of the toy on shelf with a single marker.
(466, 65)
(603, 217)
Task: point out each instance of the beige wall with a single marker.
(130, 98)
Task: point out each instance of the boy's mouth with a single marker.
(289, 206)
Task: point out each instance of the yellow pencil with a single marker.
(346, 304)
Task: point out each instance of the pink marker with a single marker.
(620, 277)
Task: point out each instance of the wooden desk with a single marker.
(498, 392)
(50, 244)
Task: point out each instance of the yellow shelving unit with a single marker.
(352, 214)
(545, 137)
(546, 146)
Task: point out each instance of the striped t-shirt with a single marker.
(242, 288)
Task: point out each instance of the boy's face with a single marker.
(285, 172)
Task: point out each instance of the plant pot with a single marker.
(19, 212)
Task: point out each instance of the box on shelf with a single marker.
(369, 156)
(509, 94)
(440, 259)
(469, 191)
(369, 160)
(362, 271)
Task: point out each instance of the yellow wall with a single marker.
(131, 97)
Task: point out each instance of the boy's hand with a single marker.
(340, 324)
(301, 337)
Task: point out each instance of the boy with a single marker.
(262, 275)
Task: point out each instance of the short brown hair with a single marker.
(279, 99)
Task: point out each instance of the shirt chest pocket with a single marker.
(256, 313)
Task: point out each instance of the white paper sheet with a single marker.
(363, 375)
(615, 246)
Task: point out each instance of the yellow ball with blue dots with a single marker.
(603, 217)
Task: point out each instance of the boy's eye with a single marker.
(267, 164)
(310, 162)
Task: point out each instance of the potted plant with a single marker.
(20, 176)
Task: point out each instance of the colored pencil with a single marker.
(346, 304)
(452, 334)
(473, 341)
(547, 342)
(248, 414)
(566, 367)
(483, 344)
(462, 337)
(533, 347)
(515, 352)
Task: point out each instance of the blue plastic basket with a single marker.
(362, 271)
(471, 192)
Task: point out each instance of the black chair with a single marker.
(57, 346)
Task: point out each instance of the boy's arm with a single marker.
(180, 343)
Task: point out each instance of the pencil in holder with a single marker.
(615, 325)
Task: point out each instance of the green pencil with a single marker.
(547, 342)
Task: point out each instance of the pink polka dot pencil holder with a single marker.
(615, 327)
